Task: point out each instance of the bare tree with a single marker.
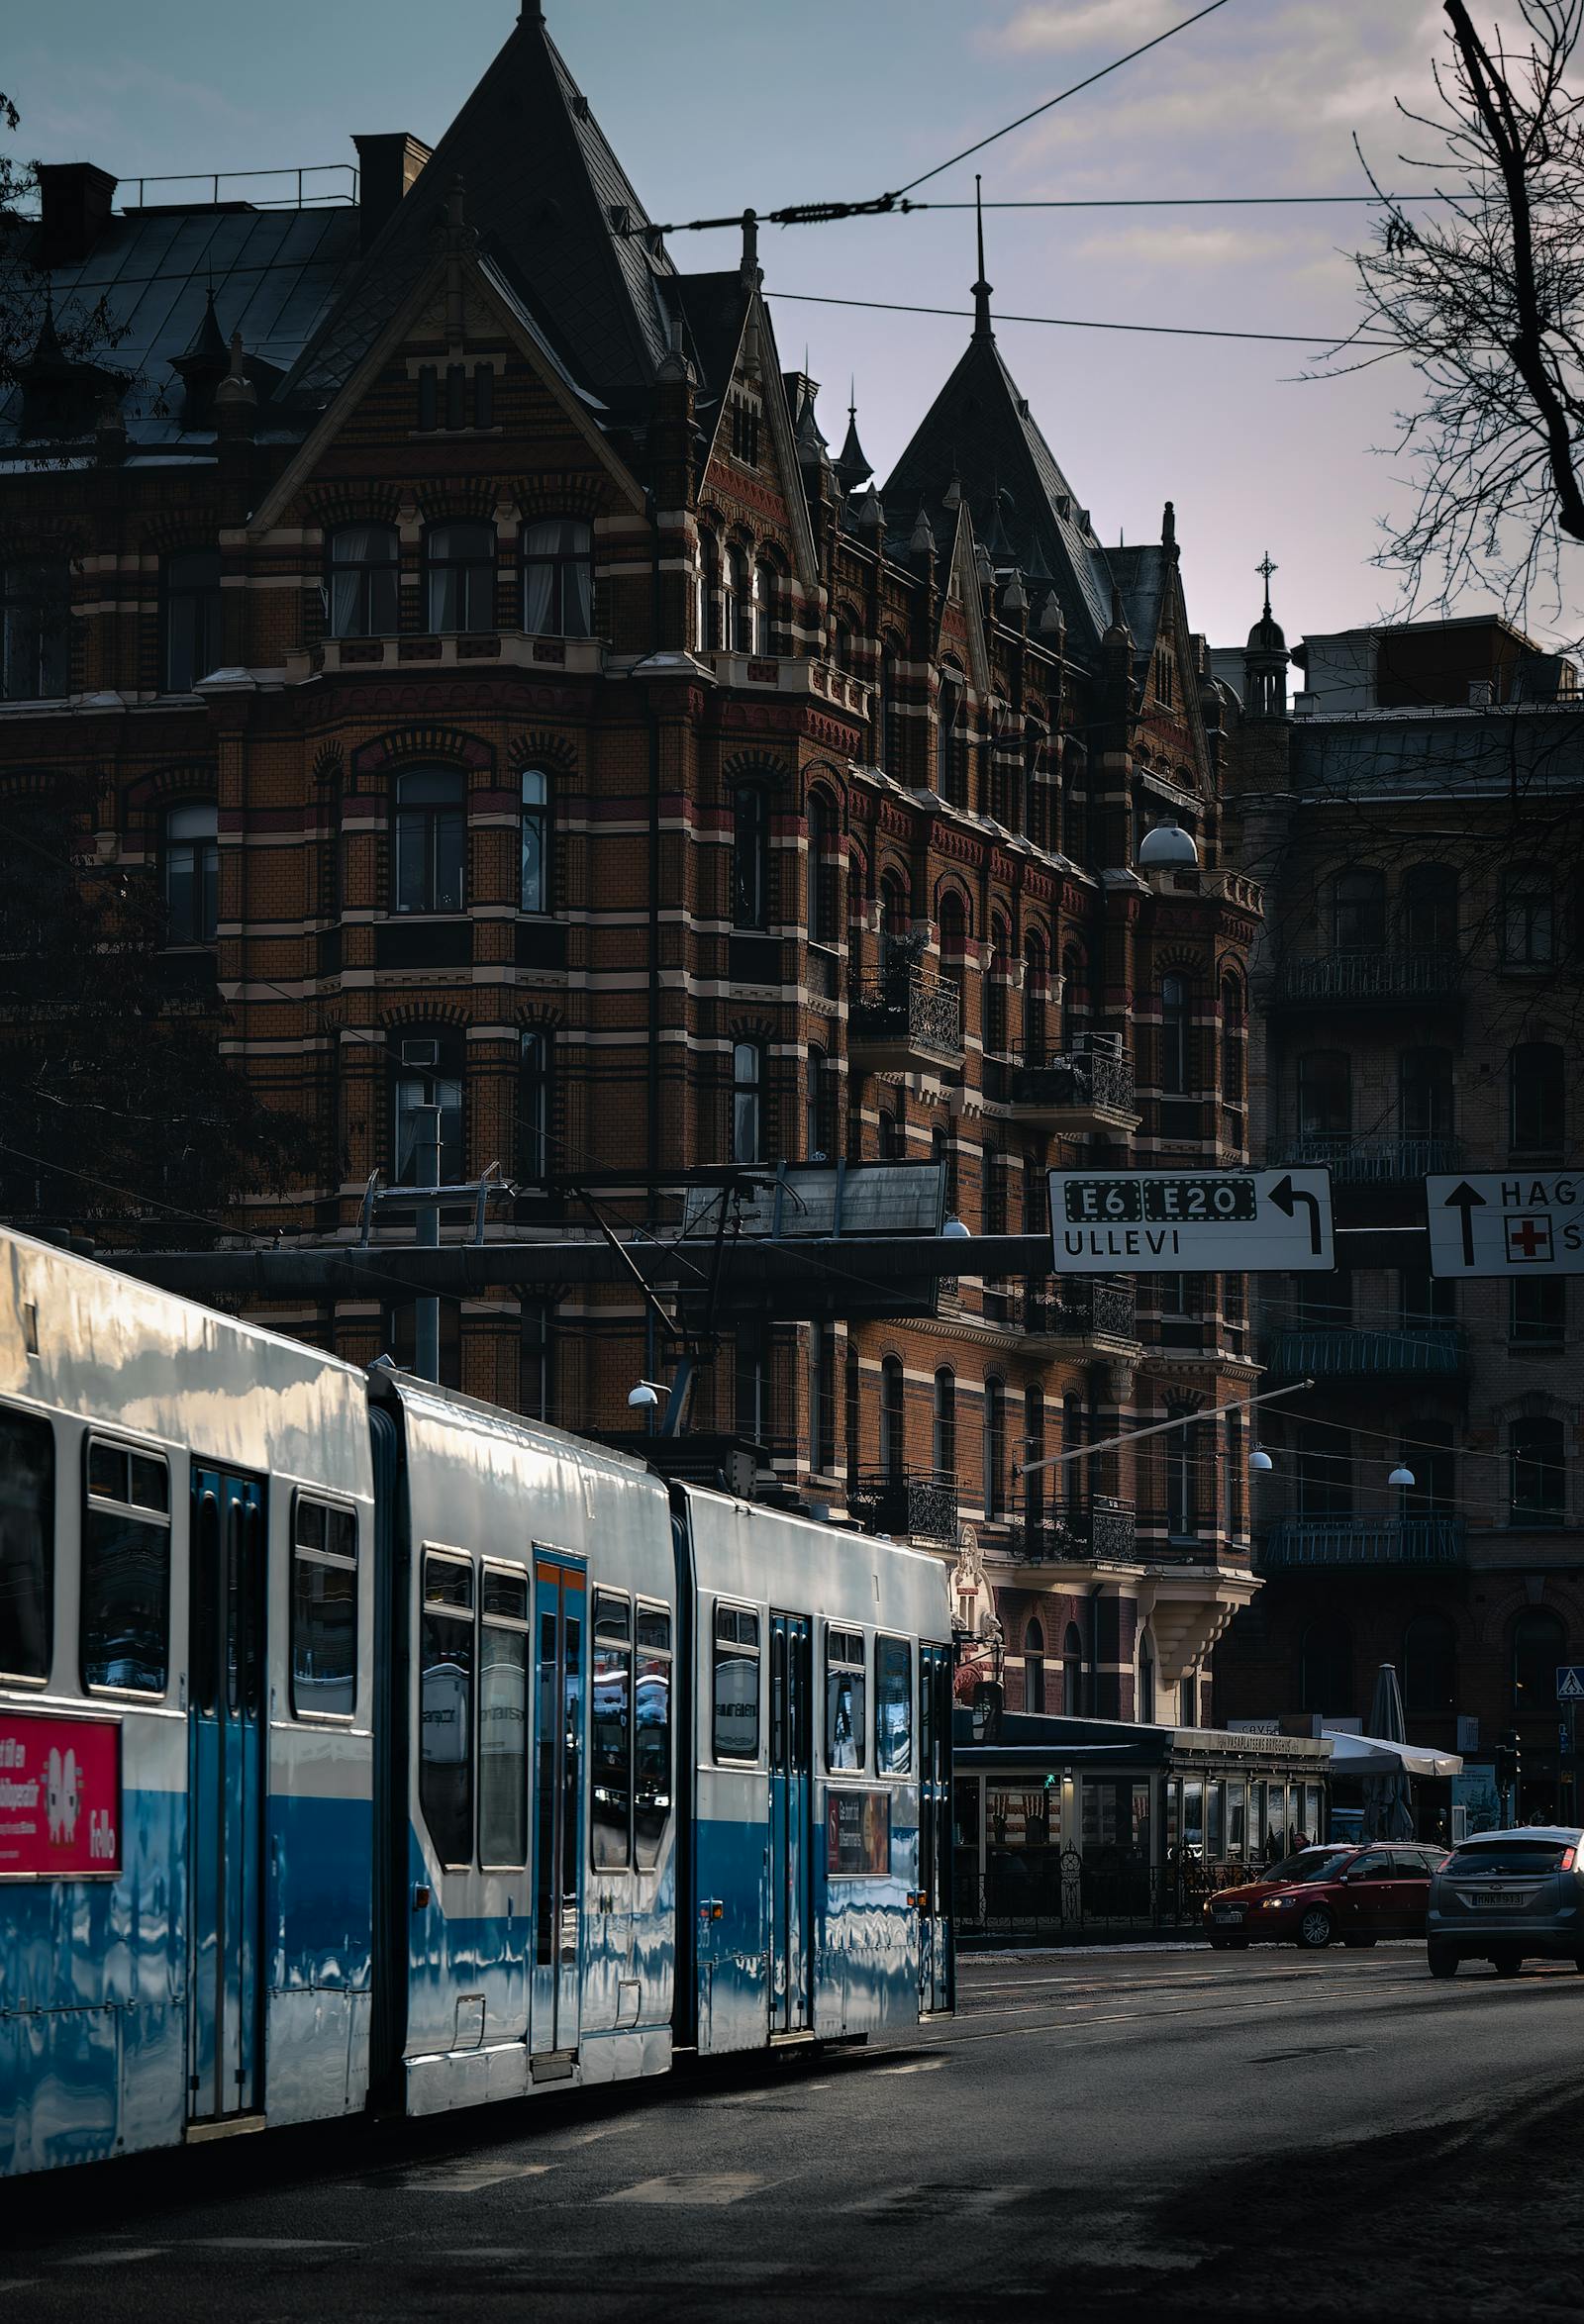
(1484, 293)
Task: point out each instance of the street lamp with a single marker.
(954, 1231)
(1168, 847)
(1260, 1462)
(1401, 1475)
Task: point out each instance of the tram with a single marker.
(364, 1746)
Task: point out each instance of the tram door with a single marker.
(561, 1592)
(934, 1828)
(226, 1795)
(791, 1824)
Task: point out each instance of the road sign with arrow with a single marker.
(1520, 1223)
(1170, 1222)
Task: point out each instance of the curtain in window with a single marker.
(558, 578)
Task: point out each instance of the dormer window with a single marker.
(744, 432)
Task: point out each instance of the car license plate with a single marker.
(1229, 1912)
(1492, 1899)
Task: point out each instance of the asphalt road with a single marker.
(1110, 2134)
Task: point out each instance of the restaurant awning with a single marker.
(1363, 1755)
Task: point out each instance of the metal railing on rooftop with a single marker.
(1362, 1541)
(1337, 1352)
(1372, 1160)
(1372, 976)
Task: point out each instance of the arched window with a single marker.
(1358, 911)
(955, 947)
(533, 1107)
(891, 752)
(996, 992)
(1430, 908)
(191, 874)
(1529, 928)
(946, 1424)
(1034, 997)
(1147, 1680)
(738, 608)
(1233, 1058)
(1425, 1093)
(1537, 1083)
(893, 1419)
(558, 578)
(1033, 1667)
(426, 1070)
(1072, 1688)
(825, 872)
(750, 857)
(951, 739)
(747, 1102)
(842, 644)
(896, 924)
(1540, 1644)
(709, 620)
(1536, 1462)
(1325, 1669)
(431, 841)
(1175, 1037)
(459, 578)
(1325, 1094)
(533, 885)
(1034, 1452)
(995, 1449)
(1429, 1668)
(189, 618)
(361, 590)
(768, 628)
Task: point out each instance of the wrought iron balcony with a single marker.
(1362, 1541)
(1082, 1090)
(1373, 1161)
(1432, 1351)
(1083, 1308)
(905, 1023)
(1364, 978)
(909, 1509)
(1104, 1531)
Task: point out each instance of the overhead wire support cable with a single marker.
(1088, 322)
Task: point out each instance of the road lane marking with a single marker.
(679, 2187)
(273, 2243)
(914, 2066)
(946, 2200)
(464, 2179)
(116, 2258)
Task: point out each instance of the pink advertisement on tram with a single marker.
(59, 1797)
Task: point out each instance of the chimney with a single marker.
(387, 169)
(76, 198)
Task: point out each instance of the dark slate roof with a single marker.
(275, 274)
(540, 188)
(1144, 576)
(980, 427)
(713, 307)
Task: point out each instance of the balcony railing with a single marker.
(1076, 1079)
(902, 1016)
(1081, 1308)
(1348, 978)
(909, 1509)
(1437, 1351)
(1362, 1541)
(1374, 1160)
(1103, 1531)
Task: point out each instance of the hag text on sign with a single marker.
(1157, 1221)
(1507, 1222)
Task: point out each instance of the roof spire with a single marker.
(752, 276)
(1268, 567)
(852, 467)
(981, 289)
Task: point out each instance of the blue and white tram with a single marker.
(361, 1744)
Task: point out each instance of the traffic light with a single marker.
(1509, 1763)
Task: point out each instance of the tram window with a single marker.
(324, 1611)
(893, 1707)
(27, 1543)
(737, 1682)
(844, 1701)
(611, 1766)
(125, 1570)
(503, 1718)
(651, 1735)
(446, 1706)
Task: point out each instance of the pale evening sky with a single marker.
(712, 104)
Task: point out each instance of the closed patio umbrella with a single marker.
(1388, 1796)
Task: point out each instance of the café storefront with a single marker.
(1066, 1825)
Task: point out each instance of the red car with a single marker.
(1357, 1893)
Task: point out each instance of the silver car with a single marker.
(1503, 1896)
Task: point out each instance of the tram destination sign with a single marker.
(1166, 1221)
(1517, 1222)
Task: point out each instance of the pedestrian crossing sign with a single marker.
(1570, 1681)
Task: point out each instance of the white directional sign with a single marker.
(1507, 1222)
(1176, 1222)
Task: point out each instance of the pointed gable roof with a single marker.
(544, 192)
(980, 428)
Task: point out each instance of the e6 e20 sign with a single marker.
(1165, 1222)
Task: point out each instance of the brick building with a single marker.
(462, 613)
(1416, 818)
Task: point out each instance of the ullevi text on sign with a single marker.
(1167, 1221)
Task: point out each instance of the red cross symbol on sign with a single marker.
(1528, 1238)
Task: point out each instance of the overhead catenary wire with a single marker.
(1313, 339)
